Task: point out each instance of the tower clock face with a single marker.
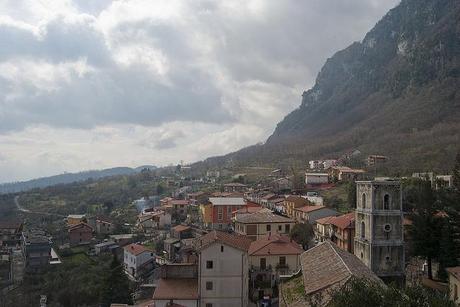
(387, 227)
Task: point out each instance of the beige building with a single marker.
(309, 214)
(454, 284)
(223, 269)
(258, 224)
(292, 202)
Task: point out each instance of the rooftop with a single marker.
(136, 249)
(227, 201)
(10, 224)
(325, 265)
(76, 216)
(180, 228)
(344, 221)
(274, 245)
(235, 241)
(308, 209)
(454, 271)
(176, 288)
(179, 202)
(261, 217)
(234, 184)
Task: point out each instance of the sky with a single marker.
(92, 84)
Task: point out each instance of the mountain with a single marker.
(69, 178)
(394, 93)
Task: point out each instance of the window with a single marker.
(455, 292)
(220, 213)
(269, 227)
(386, 202)
(282, 261)
(288, 228)
(263, 263)
(209, 264)
(209, 285)
(229, 212)
(363, 230)
(208, 305)
(363, 200)
(280, 228)
(221, 248)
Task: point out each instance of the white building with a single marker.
(316, 178)
(137, 260)
(223, 269)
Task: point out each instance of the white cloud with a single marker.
(105, 83)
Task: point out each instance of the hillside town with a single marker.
(224, 240)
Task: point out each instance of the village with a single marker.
(224, 241)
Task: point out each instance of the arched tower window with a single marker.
(363, 230)
(386, 202)
(363, 200)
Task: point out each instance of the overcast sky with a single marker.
(90, 84)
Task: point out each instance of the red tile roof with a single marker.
(136, 249)
(274, 245)
(325, 220)
(80, 226)
(235, 241)
(344, 221)
(308, 209)
(179, 289)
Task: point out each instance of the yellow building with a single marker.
(206, 213)
(74, 219)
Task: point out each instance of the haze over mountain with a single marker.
(394, 93)
(44, 182)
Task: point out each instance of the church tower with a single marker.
(379, 240)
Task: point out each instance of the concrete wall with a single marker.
(261, 229)
(229, 276)
(292, 261)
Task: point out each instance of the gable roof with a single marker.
(262, 216)
(344, 221)
(308, 209)
(325, 220)
(180, 228)
(235, 241)
(227, 201)
(274, 245)
(136, 249)
(326, 265)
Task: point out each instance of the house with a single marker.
(292, 202)
(104, 226)
(222, 208)
(309, 214)
(235, 187)
(74, 219)
(105, 247)
(182, 232)
(206, 214)
(177, 286)
(316, 178)
(223, 269)
(150, 221)
(36, 248)
(80, 233)
(180, 205)
(446, 181)
(454, 284)
(171, 246)
(282, 184)
(270, 257)
(324, 268)
(376, 159)
(10, 233)
(323, 228)
(315, 164)
(343, 231)
(258, 224)
(344, 173)
(138, 260)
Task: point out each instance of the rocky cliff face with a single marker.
(394, 93)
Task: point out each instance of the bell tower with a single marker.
(379, 240)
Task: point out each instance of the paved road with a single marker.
(22, 209)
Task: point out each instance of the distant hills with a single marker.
(396, 93)
(69, 178)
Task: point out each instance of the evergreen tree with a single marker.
(116, 286)
(426, 222)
